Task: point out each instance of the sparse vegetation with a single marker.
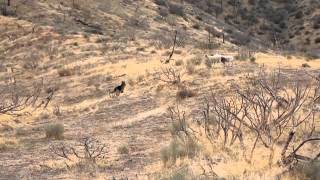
(190, 68)
(177, 9)
(179, 62)
(55, 130)
(252, 59)
(62, 63)
(184, 93)
(65, 72)
(306, 65)
(197, 60)
(123, 149)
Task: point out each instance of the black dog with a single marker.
(119, 89)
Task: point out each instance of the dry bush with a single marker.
(169, 75)
(183, 143)
(16, 98)
(161, 40)
(184, 93)
(123, 149)
(190, 68)
(54, 131)
(22, 131)
(161, 2)
(205, 45)
(209, 62)
(270, 107)
(140, 78)
(164, 12)
(305, 65)
(197, 60)
(252, 59)
(66, 72)
(244, 55)
(87, 150)
(177, 9)
(306, 171)
(131, 82)
(7, 145)
(179, 62)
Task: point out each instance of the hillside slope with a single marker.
(83, 49)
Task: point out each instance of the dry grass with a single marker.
(91, 64)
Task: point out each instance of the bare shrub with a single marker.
(267, 107)
(87, 149)
(169, 75)
(54, 131)
(15, 98)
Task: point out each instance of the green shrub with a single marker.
(161, 2)
(164, 12)
(252, 59)
(306, 171)
(176, 9)
(54, 131)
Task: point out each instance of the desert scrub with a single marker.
(209, 63)
(184, 93)
(7, 145)
(252, 59)
(65, 72)
(123, 149)
(54, 131)
(179, 62)
(190, 68)
(178, 150)
(197, 60)
(305, 65)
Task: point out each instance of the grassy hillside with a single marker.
(178, 117)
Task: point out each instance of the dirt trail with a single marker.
(139, 117)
